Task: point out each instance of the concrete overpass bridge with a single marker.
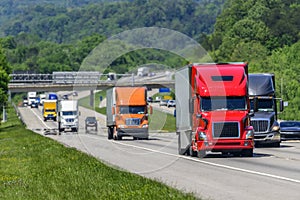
(79, 81)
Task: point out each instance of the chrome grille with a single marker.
(260, 126)
(133, 121)
(226, 130)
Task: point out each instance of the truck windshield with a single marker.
(132, 109)
(223, 103)
(266, 105)
(50, 110)
(69, 113)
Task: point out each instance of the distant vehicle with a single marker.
(34, 104)
(52, 96)
(91, 122)
(50, 110)
(25, 101)
(163, 102)
(42, 98)
(149, 99)
(143, 71)
(171, 103)
(290, 130)
(31, 96)
(75, 93)
(65, 97)
(68, 115)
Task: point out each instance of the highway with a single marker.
(273, 173)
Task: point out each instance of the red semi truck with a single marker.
(213, 109)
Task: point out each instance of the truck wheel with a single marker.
(110, 133)
(45, 119)
(201, 154)
(192, 152)
(247, 153)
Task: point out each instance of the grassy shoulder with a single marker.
(157, 120)
(35, 167)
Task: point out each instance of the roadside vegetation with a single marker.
(35, 167)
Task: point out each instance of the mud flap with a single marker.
(184, 141)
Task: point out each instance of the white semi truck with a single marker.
(68, 115)
(31, 98)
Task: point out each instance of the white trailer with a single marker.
(68, 115)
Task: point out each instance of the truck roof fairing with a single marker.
(133, 96)
(219, 80)
(261, 84)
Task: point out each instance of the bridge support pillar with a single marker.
(92, 97)
(9, 96)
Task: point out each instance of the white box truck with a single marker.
(68, 115)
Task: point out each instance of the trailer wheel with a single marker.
(201, 154)
(110, 133)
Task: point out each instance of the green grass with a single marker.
(162, 121)
(35, 167)
(85, 102)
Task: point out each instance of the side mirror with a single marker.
(281, 105)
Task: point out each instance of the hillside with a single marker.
(60, 23)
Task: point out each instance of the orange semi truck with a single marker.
(213, 109)
(127, 112)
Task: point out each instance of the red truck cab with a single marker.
(218, 117)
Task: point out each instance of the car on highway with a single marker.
(34, 104)
(91, 122)
(290, 130)
(163, 102)
(149, 99)
(171, 103)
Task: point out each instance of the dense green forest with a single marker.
(62, 24)
(265, 33)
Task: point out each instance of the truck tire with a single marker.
(192, 152)
(110, 132)
(247, 153)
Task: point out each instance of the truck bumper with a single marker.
(267, 138)
(225, 145)
(135, 132)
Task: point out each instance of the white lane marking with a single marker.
(40, 119)
(212, 164)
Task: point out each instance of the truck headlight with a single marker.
(275, 128)
(202, 136)
(145, 126)
(250, 134)
(121, 126)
